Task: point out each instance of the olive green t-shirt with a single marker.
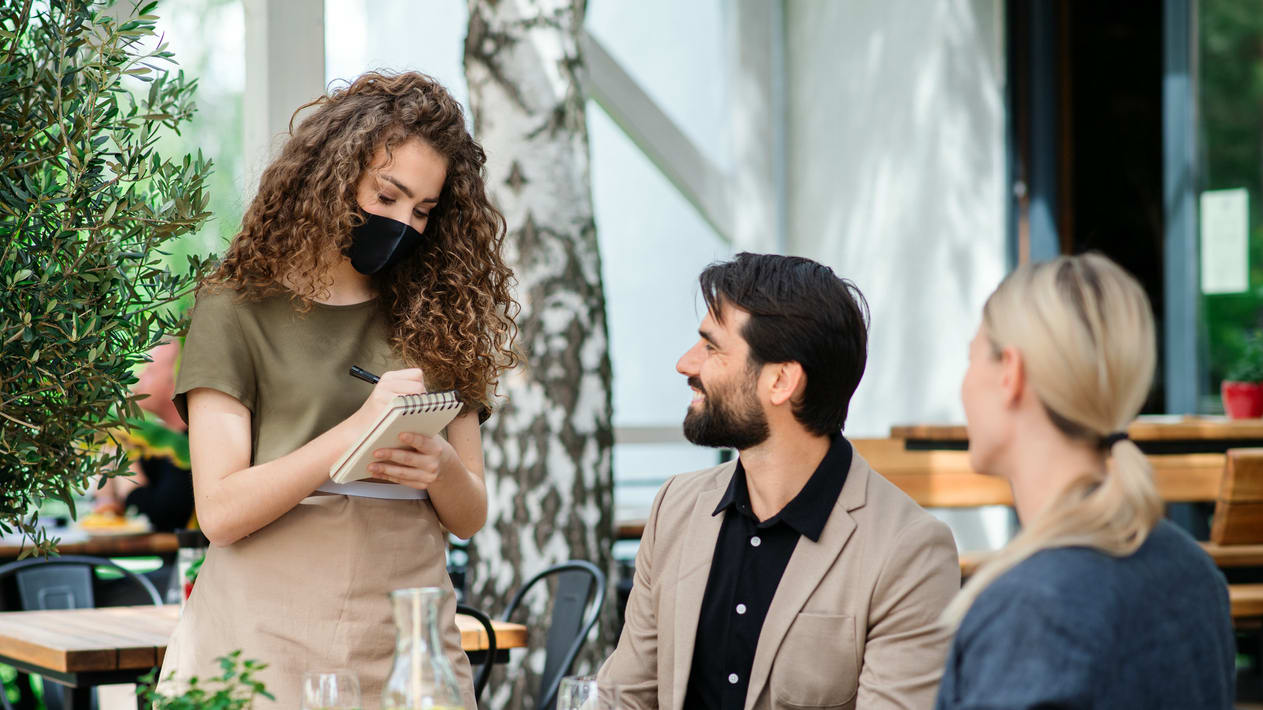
(289, 369)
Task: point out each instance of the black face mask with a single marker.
(380, 243)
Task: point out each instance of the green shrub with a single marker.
(86, 208)
(1248, 363)
(234, 689)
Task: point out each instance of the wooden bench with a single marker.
(1239, 506)
(1236, 529)
(944, 479)
(1234, 481)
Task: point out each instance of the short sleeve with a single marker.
(215, 353)
(490, 401)
(483, 408)
(484, 412)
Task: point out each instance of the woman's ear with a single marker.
(1012, 374)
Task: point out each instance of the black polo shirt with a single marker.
(750, 557)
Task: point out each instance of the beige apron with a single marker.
(309, 592)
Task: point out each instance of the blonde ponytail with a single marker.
(1092, 379)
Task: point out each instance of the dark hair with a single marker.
(802, 312)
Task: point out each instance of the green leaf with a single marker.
(85, 185)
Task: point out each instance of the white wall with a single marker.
(896, 172)
(397, 35)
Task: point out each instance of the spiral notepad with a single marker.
(415, 413)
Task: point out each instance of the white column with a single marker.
(757, 197)
(285, 68)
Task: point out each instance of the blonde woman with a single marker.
(1098, 603)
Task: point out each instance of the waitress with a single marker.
(370, 243)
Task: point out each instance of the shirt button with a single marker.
(732, 678)
(741, 608)
(755, 541)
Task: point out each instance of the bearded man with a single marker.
(794, 576)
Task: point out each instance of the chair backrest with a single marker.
(1239, 508)
(56, 587)
(65, 582)
(577, 605)
(480, 680)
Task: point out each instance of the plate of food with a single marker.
(97, 524)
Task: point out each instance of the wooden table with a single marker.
(139, 545)
(1154, 435)
(82, 648)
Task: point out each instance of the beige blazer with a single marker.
(853, 623)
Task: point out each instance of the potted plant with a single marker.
(89, 205)
(1242, 388)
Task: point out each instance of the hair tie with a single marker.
(1108, 441)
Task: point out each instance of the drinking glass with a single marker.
(330, 690)
(578, 693)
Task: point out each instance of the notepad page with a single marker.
(384, 434)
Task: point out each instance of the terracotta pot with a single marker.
(1242, 400)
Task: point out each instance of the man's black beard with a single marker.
(738, 423)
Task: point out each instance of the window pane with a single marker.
(1230, 106)
(399, 35)
(653, 246)
(208, 39)
(675, 51)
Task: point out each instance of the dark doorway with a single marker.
(1102, 150)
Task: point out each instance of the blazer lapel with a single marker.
(695, 558)
(807, 566)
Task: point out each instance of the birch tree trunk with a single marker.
(548, 448)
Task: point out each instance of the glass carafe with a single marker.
(422, 677)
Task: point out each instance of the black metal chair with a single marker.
(489, 656)
(458, 566)
(577, 605)
(63, 583)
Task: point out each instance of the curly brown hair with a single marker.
(448, 304)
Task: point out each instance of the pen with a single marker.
(357, 371)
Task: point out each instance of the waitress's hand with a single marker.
(418, 464)
(391, 384)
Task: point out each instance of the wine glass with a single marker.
(327, 690)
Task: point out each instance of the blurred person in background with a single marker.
(160, 486)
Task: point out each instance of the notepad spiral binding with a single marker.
(430, 402)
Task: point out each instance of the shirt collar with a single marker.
(808, 512)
